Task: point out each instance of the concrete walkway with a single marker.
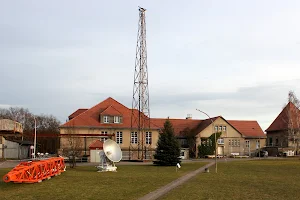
(165, 189)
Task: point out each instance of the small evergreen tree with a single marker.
(168, 148)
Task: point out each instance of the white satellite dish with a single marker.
(111, 152)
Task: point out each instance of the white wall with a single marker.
(13, 150)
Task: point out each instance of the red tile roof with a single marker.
(289, 113)
(111, 111)
(90, 118)
(97, 144)
(247, 128)
(77, 112)
(178, 124)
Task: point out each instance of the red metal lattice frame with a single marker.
(35, 171)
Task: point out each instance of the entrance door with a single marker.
(221, 151)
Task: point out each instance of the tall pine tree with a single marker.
(168, 148)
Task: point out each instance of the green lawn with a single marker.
(257, 179)
(130, 182)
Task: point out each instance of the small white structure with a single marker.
(95, 149)
(289, 153)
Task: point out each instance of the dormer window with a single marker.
(105, 119)
(117, 119)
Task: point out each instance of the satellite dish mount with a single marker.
(110, 154)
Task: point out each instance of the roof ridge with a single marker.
(105, 109)
(288, 107)
(117, 102)
(110, 106)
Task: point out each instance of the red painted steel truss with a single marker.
(35, 171)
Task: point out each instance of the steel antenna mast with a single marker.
(140, 117)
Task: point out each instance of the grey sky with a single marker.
(237, 58)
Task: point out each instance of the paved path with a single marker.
(165, 189)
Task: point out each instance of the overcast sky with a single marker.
(232, 58)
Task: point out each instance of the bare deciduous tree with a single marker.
(73, 148)
(293, 121)
(46, 124)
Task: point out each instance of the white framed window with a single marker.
(133, 137)
(224, 128)
(119, 137)
(257, 144)
(221, 141)
(238, 143)
(235, 143)
(229, 142)
(220, 128)
(117, 119)
(103, 139)
(216, 128)
(148, 137)
(105, 119)
(104, 132)
(247, 143)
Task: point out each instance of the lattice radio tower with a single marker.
(140, 117)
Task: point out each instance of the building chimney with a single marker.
(189, 116)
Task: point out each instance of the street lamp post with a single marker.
(212, 123)
(34, 143)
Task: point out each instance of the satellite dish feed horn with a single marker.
(111, 152)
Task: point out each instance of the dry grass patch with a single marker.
(130, 182)
(257, 179)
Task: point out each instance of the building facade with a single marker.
(111, 119)
(284, 133)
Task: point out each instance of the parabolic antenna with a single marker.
(112, 152)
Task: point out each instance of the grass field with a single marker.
(257, 179)
(130, 182)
